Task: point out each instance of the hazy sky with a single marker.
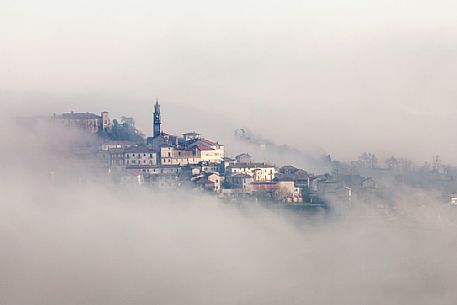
(343, 76)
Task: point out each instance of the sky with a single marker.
(338, 76)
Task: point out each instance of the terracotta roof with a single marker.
(208, 142)
(205, 142)
(201, 146)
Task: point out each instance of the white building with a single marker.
(258, 171)
(208, 151)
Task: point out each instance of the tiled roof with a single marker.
(208, 142)
(139, 149)
(205, 142)
(201, 146)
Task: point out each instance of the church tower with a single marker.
(156, 126)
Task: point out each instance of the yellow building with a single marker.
(173, 156)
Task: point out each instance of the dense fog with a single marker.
(66, 240)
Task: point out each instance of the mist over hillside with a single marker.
(354, 101)
(86, 241)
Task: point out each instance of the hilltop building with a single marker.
(207, 151)
(88, 122)
(156, 120)
(172, 156)
(191, 148)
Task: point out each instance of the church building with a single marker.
(188, 149)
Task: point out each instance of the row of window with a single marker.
(139, 155)
(156, 170)
(139, 162)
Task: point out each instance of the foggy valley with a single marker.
(248, 152)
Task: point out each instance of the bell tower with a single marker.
(156, 126)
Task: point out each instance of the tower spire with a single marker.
(156, 118)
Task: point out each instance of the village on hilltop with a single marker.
(170, 161)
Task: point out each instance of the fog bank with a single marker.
(89, 242)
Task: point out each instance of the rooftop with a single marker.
(251, 165)
(139, 149)
(141, 166)
(191, 134)
(77, 116)
(240, 175)
(201, 146)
